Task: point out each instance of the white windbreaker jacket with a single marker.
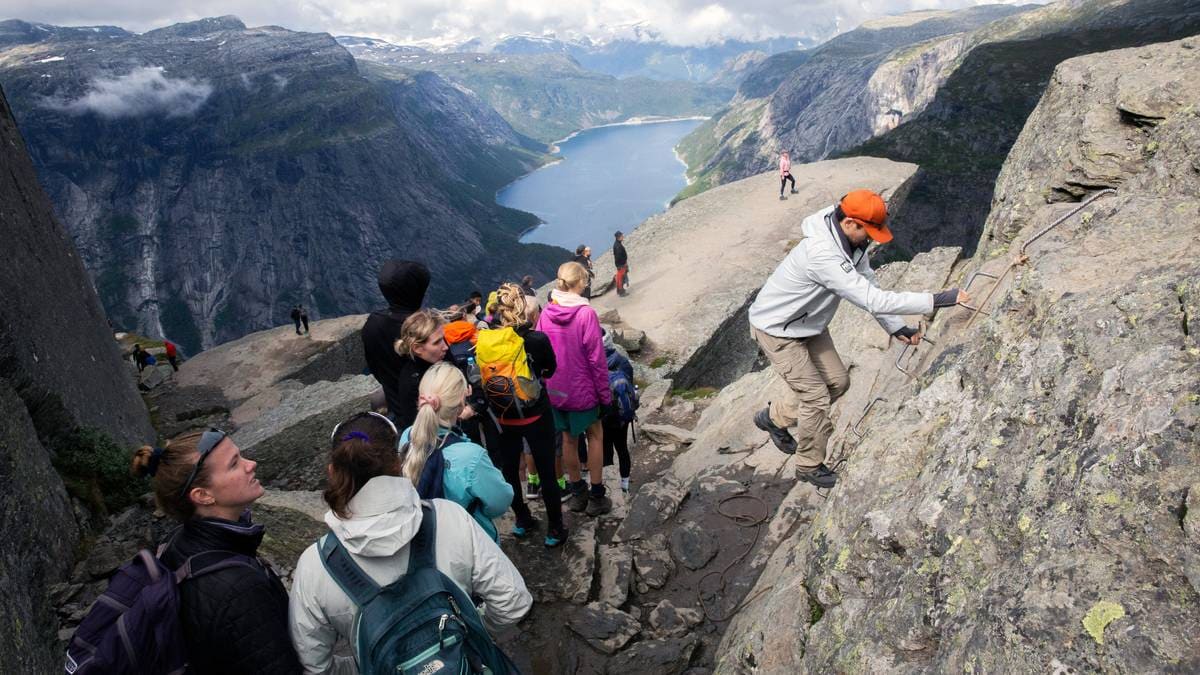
(386, 514)
(802, 294)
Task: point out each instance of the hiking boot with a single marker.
(780, 437)
(578, 501)
(598, 505)
(781, 197)
(821, 476)
(522, 530)
(556, 536)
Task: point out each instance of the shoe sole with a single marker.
(577, 508)
(592, 514)
(767, 429)
(818, 485)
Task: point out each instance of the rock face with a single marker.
(213, 175)
(726, 242)
(60, 370)
(830, 98)
(1021, 504)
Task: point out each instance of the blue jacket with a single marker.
(471, 476)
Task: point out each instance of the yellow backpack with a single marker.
(509, 384)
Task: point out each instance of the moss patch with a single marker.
(95, 469)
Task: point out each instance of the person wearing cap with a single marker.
(790, 321)
(620, 261)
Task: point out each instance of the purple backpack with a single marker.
(134, 627)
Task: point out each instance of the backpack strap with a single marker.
(190, 570)
(421, 553)
(348, 575)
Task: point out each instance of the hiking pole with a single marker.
(1022, 257)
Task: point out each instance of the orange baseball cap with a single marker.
(869, 209)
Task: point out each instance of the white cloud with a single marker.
(145, 91)
(680, 21)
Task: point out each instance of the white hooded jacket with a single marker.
(385, 516)
(803, 293)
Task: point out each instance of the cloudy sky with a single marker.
(680, 21)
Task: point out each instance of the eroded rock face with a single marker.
(1020, 504)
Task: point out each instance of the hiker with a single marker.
(235, 619)
(139, 357)
(473, 307)
(579, 387)
(422, 343)
(304, 318)
(785, 173)
(790, 321)
(513, 356)
(380, 529)
(490, 317)
(621, 261)
(469, 478)
(623, 411)
(460, 341)
(583, 256)
(296, 317)
(403, 283)
(527, 286)
(172, 355)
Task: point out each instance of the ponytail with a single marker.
(571, 275)
(442, 394)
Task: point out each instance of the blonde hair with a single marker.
(442, 392)
(512, 306)
(416, 329)
(571, 275)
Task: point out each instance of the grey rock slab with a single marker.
(654, 395)
(309, 502)
(604, 627)
(693, 546)
(629, 338)
(652, 563)
(667, 433)
(653, 504)
(661, 657)
(615, 562)
(670, 621)
(291, 441)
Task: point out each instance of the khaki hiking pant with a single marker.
(816, 377)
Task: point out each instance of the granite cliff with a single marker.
(213, 175)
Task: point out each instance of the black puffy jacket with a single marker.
(234, 620)
(403, 283)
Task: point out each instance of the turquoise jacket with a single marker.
(471, 477)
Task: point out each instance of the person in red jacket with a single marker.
(172, 355)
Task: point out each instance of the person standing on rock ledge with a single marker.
(785, 173)
(620, 261)
(790, 321)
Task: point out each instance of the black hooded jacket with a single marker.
(403, 283)
(234, 620)
(620, 257)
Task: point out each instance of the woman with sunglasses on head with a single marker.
(422, 343)
(469, 478)
(375, 512)
(235, 619)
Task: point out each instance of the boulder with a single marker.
(629, 338)
(653, 504)
(667, 433)
(291, 441)
(652, 563)
(692, 546)
(653, 396)
(661, 657)
(616, 570)
(668, 620)
(603, 627)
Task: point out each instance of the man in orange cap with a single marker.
(790, 321)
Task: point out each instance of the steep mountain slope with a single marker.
(60, 374)
(830, 98)
(548, 96)
(963, 136)
(1029, 501)
(213, 175)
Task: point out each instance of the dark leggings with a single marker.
(540, 436)
(616, 437)
(783, 181)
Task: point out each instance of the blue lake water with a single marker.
(609, 179)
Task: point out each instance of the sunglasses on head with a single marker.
(335, 437)
(209, 440)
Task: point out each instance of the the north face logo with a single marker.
(434, 666)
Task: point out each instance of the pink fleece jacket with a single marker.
(581, 380)
(785, 166)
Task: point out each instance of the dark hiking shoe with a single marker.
(795, 191)
(780, 437)
(821, 476)
(578, 501)
(598, 505)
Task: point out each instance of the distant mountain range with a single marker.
(212, 174)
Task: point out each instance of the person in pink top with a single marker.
(579, 387)
(785, 173)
